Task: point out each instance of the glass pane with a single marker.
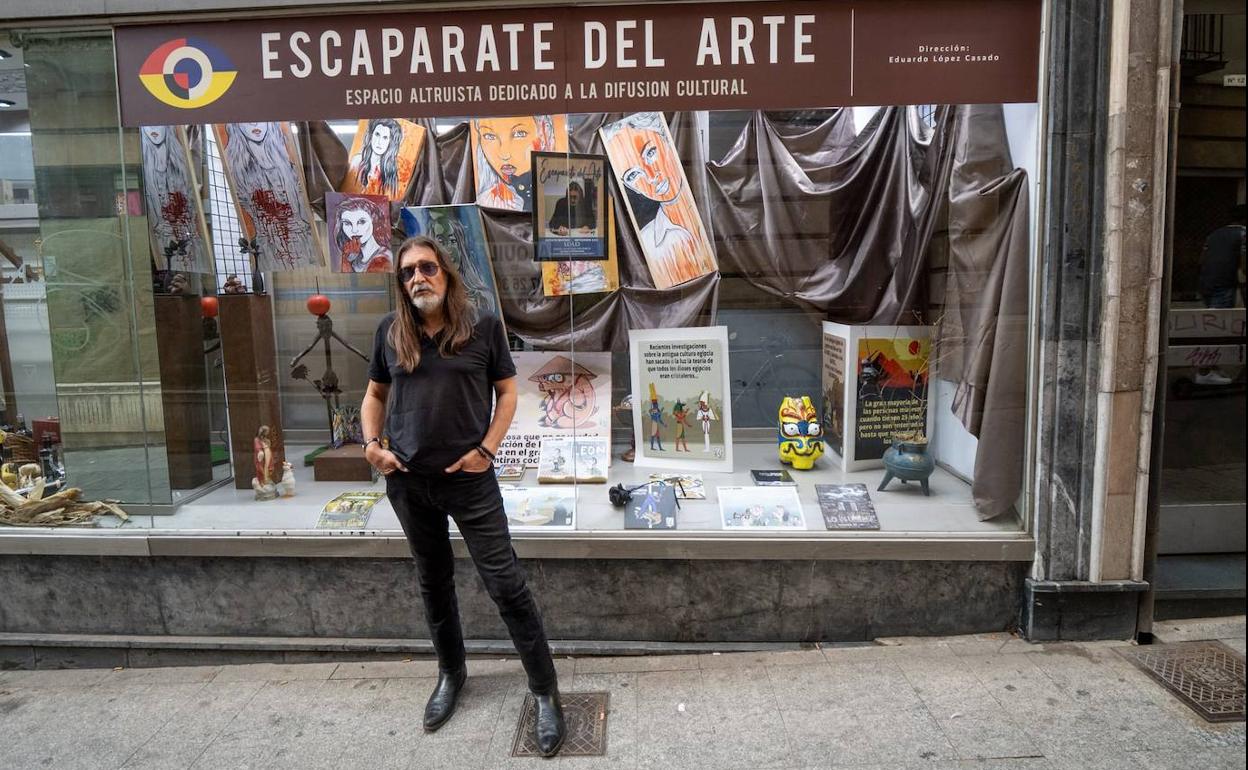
(97, 310)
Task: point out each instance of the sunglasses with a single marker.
(427, 269)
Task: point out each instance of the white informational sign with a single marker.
(682, 416)
(560, 394)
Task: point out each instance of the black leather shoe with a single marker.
(442, 703)
(550, 729)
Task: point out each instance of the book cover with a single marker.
(565, 460)
(760, 508)
(846, 506)
(652, 507)
(509, 472)
(773, 478)
(689, 486)
(350, 510)
(537, 509)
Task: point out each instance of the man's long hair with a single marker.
(459, 314)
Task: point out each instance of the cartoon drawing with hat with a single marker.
(568, 398)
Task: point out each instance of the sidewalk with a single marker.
(988, 701)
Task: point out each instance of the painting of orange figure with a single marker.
(383, 156)
(501, 161)
(660, 205)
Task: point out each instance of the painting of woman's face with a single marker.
(156, 134)
(655, 172)
(356, 223)
(380, 140)
(256, 132)
(506, 143)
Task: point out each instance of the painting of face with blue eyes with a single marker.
(501, 157)
(669, 227)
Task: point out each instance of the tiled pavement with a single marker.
(988, 702)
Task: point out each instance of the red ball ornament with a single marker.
(318, 304)
(209, 307)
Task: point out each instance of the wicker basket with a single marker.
(21, 448)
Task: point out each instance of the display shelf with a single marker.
(230, 522)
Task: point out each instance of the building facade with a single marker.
(971, 234)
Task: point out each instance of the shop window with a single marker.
(745, 322)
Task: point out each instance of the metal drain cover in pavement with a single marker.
(1207, 676)
(586, 716)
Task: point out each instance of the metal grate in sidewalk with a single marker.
(586, 716)
(1207, 676)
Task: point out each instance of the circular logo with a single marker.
(187, 73)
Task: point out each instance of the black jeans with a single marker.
(422, 504)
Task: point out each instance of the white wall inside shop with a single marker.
(952, 445)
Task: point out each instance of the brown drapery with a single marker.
(982, 335)
(831, 220)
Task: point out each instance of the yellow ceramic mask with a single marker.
(800, 436)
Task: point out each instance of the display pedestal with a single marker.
(875, 381)
(184, 390)
(346, 463)
(250, 354)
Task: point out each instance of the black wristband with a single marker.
(485, 452)
(371, 440)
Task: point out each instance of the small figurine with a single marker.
(800, 434)
(262, 482)
(286, 487)
(28, 475)
(233, 285)
(178, 284)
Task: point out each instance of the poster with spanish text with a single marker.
(682, 414)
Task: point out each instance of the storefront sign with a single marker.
(505, 61)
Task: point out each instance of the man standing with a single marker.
(1221, 274)
(434, 372)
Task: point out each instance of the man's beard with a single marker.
(426, 301)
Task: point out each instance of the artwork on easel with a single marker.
(261, 165)
(175, 213)
(460, 231)
(383, 158)
(660, 205)
(681, 414)
(501, 156)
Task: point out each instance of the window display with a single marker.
(779, 308)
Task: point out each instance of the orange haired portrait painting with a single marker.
(383, 156)
(660, 205)
(501, 157)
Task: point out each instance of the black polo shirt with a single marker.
(442, 409)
